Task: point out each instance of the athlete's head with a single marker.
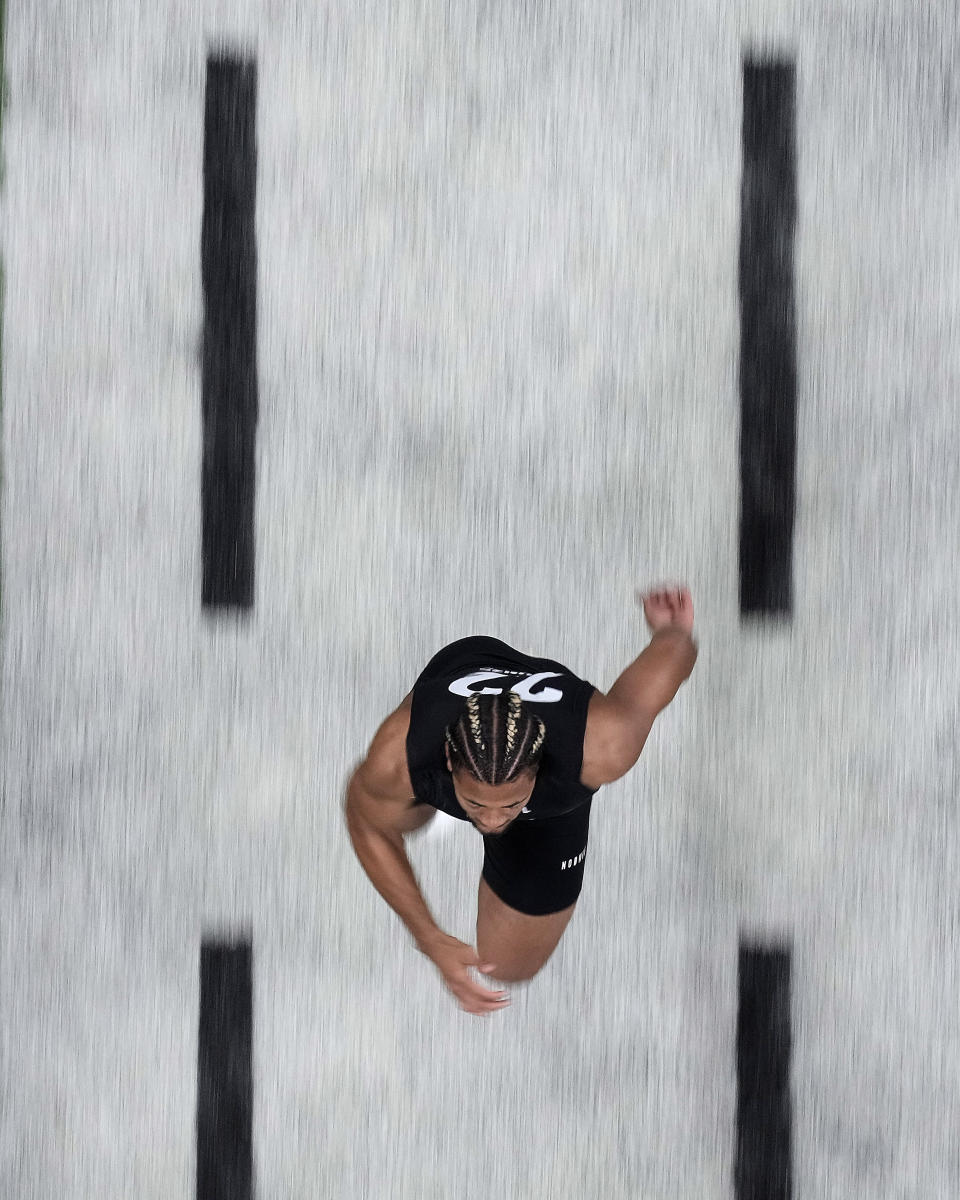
(493, 754)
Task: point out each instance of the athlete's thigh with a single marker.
(517, 944)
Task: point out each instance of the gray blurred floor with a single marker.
(498, 385)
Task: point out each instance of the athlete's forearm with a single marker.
(649, 684)
(385, 861)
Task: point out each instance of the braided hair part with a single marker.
(497, 738)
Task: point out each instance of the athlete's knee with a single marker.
(519, 970)
(515, 975)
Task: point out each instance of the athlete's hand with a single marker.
(453, 959)
(668, 605)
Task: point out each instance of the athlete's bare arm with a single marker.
(379, 810)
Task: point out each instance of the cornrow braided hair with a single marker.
(496, 739)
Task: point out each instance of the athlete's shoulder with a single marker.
(612, 741)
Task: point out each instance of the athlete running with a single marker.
(517, 745)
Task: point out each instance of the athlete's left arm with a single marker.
(648, 685)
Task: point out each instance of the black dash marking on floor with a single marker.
(225, 1081)
(763, 1168)
(768, 369)
(229, 263)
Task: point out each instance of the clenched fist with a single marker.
(668, 605)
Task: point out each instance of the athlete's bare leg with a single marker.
(517, 944)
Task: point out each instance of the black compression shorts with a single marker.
(537, 866)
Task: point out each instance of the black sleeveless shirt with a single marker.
(487, 665)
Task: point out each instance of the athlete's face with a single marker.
(491, 809)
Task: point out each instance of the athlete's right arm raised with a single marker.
(378, 815)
